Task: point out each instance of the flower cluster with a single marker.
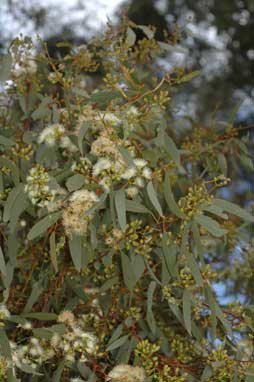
(190, 204)
(74, 219)
(56, 133)
(135, 237)
(37, 186)
(75, 339)
(111, 165)
(127, 373)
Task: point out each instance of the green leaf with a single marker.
(6, 141)
(109, 284)
(169, 197)
(121, 208)
(126, 156)
(39, 228)
(76, 247)
(222, 319)
(139, 266)
(2, 263)
(116, 344)
(5, 67)
(194, 268)
(43, 110)
(170, 256)
(197, 241)
(52, 251)
(81, 134)
(210, 225)
(223, 163)
(27, 369)
(41, 316)
(215, 210)
(187, 310)
(188, 77)
(234, 209)
(153, 198)
(172, 48)
(59, 371)
(211, 303)
(11, 202)
(130, 37)
(5, 345)
(19, 205)
(207, 373)
(104, 97)
(128, 272)
(75, 182)
(33, 298)
(5, 162)
(133, 206)
(116, 334)
(171, 149)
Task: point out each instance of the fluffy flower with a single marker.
(129, 173)
(132, 112)
(104, 146)
(132, 192)
(101, 165)
(66, 317)
(85, 196)
(139, 182)
(51, 134)
(147, 173)
(28, 66)
(110, 118)
(127, 373)
(73, 219)
(140, 163)
(66, 143)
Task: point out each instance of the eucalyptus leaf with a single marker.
(39, 228)
(154, 198)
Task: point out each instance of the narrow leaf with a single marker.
(121, 208)
(153, 198)
(187, 310)
(194, 268)
(76, 250)
(5, 67)
(232, 208)
(128, 272)
(39, 228)
(2, 263)
(210, 225)
(116, 344)
(171, 149)
(169, 197)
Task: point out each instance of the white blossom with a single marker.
(129, 173)
(140, 163)
(127, 373)
(147, 172)
(101, 165)
(132, 192)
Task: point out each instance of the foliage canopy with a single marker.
(113, 229)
